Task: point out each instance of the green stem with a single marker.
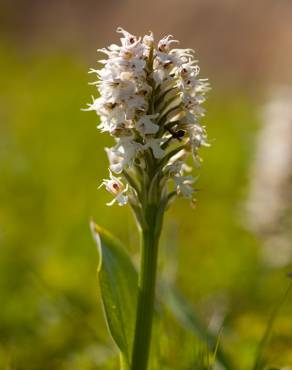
(146, 294)
(124, 362)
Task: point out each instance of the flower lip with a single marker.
(115, 187)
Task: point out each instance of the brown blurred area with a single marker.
(238, 42)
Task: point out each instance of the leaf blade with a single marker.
(118, 286)
(183, 311)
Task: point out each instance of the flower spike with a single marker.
(150, 101)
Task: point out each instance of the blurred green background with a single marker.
(52, 160)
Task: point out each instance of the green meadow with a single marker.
(52, 161)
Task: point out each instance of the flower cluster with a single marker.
(150, 102)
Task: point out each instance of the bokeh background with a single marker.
(227, 257)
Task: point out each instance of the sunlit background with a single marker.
(230, 256)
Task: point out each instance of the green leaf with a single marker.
(260, 360)
(118, 283)
(183, 311)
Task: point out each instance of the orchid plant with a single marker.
(150, 102)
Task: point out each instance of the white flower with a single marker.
(135, 104)
(154, 144)
(159, 75)
(148, 40)
(123, 153)
(117, 188)
(116, 159)
(146, 126)
(150, 99)
(184, 185)
(165, 42)
(177, 168)
(131, 43)
(198, 136)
